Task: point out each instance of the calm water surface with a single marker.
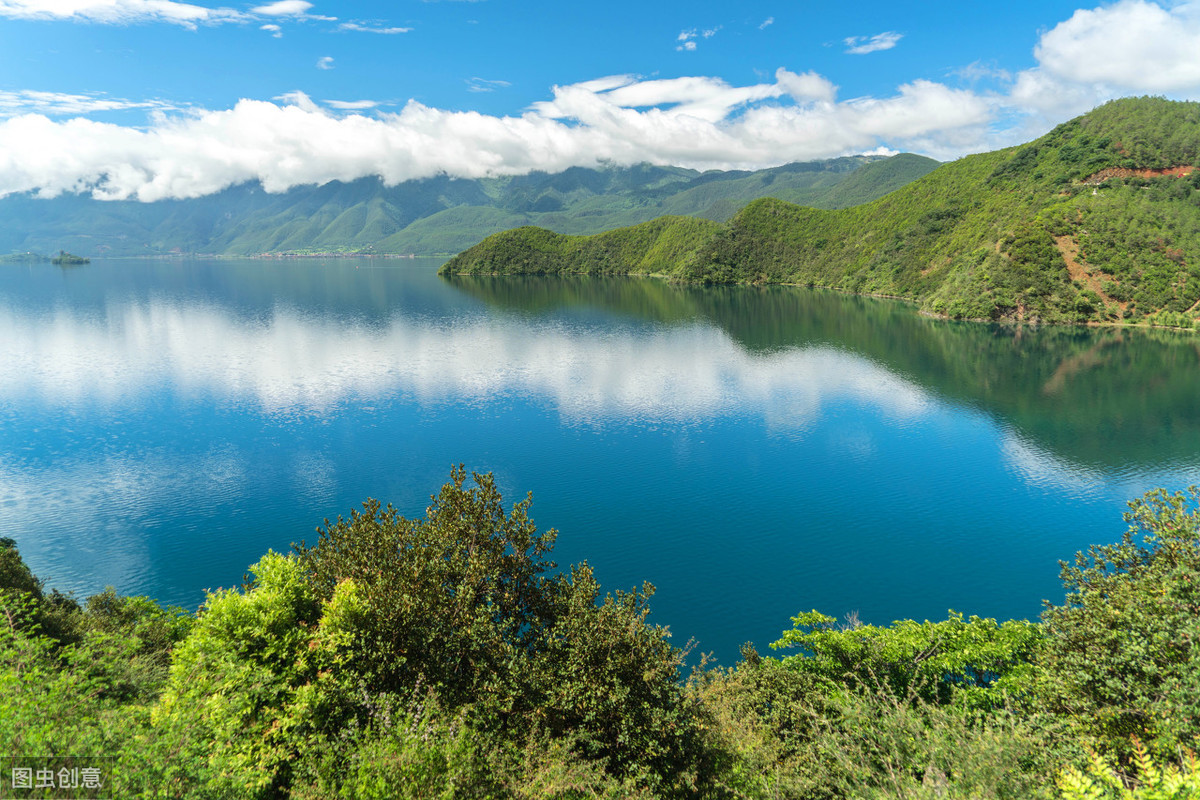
(752, 452)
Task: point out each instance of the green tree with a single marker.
(455, 598)
(312, 669)
(975, 659)
(245, 690)
(53, 613)
(1121, 655)
(467, 601)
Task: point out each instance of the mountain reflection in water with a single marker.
(754, 452)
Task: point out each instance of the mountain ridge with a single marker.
(1068, 228)
(440, 215)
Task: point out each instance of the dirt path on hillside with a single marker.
(1069, 248)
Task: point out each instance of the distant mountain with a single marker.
(1099, 220)
(434, 216)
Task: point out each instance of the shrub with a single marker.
(1121, 654)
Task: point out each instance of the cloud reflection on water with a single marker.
(290, 363)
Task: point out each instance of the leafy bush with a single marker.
(1099, 780)
(977, 659)
(1120, 656)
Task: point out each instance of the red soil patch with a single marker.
(1123, 172)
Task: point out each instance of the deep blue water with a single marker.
(753, 453)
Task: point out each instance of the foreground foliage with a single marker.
(447, 656)
(1100, 780)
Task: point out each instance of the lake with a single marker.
(752, 452)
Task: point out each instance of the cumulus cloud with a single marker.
(698, 122)
(860, 45)
(119, 12)
(294, 9)
(1131, 47)
(274, 30)
(283, 8)
(1134, 44)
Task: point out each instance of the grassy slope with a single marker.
(983, 237)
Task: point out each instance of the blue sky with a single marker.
(149, 99)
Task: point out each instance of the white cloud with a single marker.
(1130, 47)
(325, 62)
(806, 86)
(352, 105)
(274, 30)
(366, 28)
(687, 38)
(697, 122)
(283, 8)
(484, 85)
(119, 12)
(979, 71)
(708, 99)
(298, 99)
(1134, 44)
(291, 9)
(27, 101)
(127, 12)
(860, 45)
(766, 23)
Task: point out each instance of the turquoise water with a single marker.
(751, 452)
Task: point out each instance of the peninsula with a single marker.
(1097, 221)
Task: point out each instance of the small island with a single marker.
(65, 259)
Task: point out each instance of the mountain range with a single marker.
(435, 216)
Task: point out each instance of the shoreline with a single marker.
(876, 295)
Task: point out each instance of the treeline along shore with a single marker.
(1098, 221)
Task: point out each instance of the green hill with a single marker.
(433, 216)
(1098, 220)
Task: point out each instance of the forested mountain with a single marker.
(429, 217)
(1098, 220)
